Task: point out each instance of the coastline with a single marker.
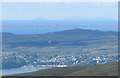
(27, 69)
(20, 71)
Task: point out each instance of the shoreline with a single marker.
(22, 70)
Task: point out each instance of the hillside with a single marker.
(76, 36)
(98, 70)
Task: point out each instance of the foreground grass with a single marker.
(99, 70)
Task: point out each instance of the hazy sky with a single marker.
(91, 15)
(59, 0)
(81, 10)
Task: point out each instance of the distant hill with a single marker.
(85, 31)
(74, 36)
(79, 33)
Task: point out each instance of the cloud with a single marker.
(59, 0)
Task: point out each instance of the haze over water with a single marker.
(34, 18)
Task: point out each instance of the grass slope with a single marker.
(99, 70)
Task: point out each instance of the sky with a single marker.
(58, 11)
(93, 15)
(59, 0)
